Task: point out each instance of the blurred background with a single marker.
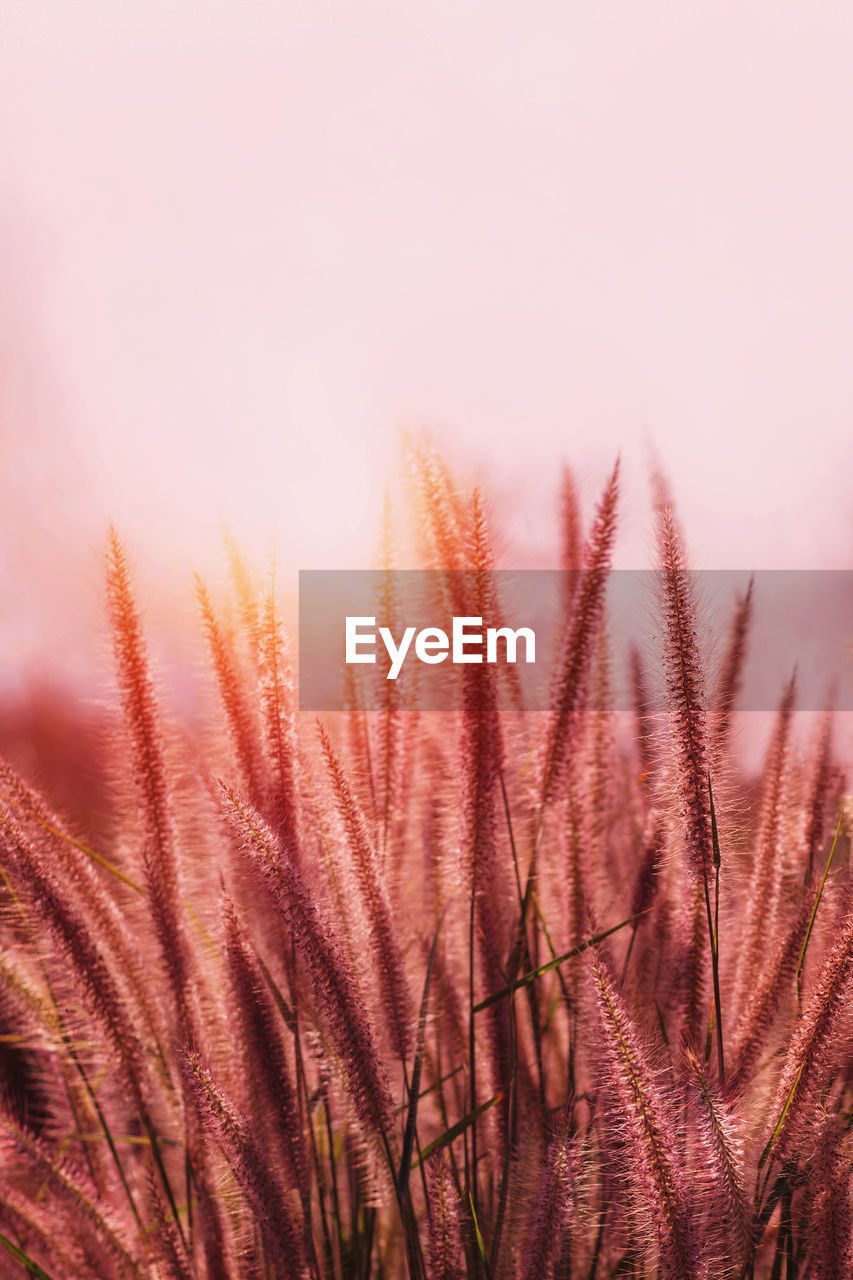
(244, 245)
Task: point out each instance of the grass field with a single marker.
(485, 993)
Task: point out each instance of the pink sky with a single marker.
(241, 244)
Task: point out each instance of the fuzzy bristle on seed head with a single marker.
(446, 1251)
(686, 693)
(638, 1108)
(578, 645)
(334, 985)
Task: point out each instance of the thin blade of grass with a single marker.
(433, 1088)
(451, 1134)
(415, 1083)
(281, 1004)
(713, 930)
(76, 844)
(526, 978)
(778, 1126)
(813, 915)
(481, 1248)
(25, 1260)
(709, 1039)
(547, 936)
(661, 1023)
(715, 838)
(132, 1139)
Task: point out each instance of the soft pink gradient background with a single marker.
(244, 243)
